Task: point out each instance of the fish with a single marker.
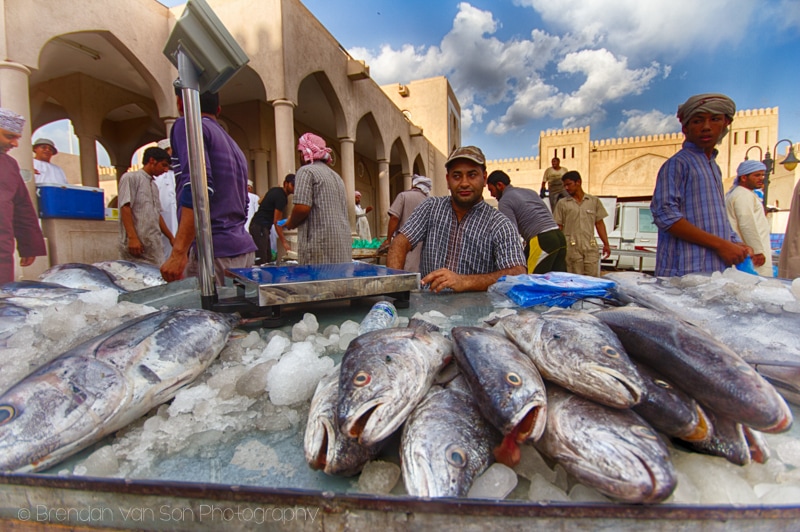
(611, 450)
(104, 384)
(737, 443)
(579, 352)
(506, 385)
(12, 317)
(132, 275)
(446, 443)
(704, 368)
(77, 275)
(670, 410)
(37, 294)
(769, 342)
(384, 375)
(325, 447)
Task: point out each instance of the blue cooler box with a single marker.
(70, 201)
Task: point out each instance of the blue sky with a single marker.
(618, 66)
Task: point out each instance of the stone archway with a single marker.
(634, 178)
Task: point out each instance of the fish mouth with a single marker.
(358, 423)
(658, 492)
(325, 438)
(630, 393)
(530, 422)
(703, 429)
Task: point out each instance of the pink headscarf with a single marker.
(313, 148)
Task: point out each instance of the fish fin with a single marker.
(415, 323)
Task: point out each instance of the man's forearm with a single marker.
(299, 214)
(184, 236)
(481, 282)
(397, 252)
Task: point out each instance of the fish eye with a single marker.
(362, 378)
(456, 456)
(662, 384)
(7, 413)
(610, 352)
(513, 379)
(644, 432)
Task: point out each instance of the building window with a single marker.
(563, 153)
(757, 136)
(555, 153)
(746, 137)
(573, 152)
(736, 137)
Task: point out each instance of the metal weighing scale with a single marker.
(262, 291)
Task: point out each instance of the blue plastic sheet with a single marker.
(554, 289)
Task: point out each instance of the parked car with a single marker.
(632, 230)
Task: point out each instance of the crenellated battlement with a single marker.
(490, 162)
(558, 132)
(629, 141)
(757, 112)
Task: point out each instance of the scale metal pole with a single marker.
(190, 93)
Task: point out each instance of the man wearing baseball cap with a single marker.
(46, 172)
(746, 214)
(18, 220)
(468, 243)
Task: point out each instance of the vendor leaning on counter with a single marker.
(18, 218)
(468, 243)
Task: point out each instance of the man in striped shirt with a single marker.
(468, 243)
(694, 234)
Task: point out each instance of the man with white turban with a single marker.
(362, 224)
(746, 214)
(694, 234)
(320, 207)
(401, 209)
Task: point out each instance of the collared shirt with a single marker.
(226, 172)
(403, 205)
(527, 211)
(746, 214)
(579, 220)
(484, 241)
(139, 190)
(689, 185)
(324, 236)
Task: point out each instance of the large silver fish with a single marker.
(751, 315)
(446, 443)
(577, 351)
(611, 450)
(77, 275)
(701, 366)
(670, 410)
(37, 294)
(104, 384)
(506, 385)
(12, 317)
(325, 447)
(131, 275)
(385, 373)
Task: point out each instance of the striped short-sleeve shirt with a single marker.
(484, 241)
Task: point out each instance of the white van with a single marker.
(633, 230)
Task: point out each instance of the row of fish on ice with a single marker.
(561, 380)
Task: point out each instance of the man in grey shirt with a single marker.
(545, 245)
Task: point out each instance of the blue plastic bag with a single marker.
(554, 289)
(747, 266)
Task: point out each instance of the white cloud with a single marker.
(661, 28)
(647, 123)
(485, 71)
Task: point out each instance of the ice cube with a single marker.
(348, 327)
(251, 340)
(295, 376)
(780, 494)
(378, 477)
(788, 451)
(495, 483)
(101, 463)
(277, 345)
(253, 383)
(226, 379)
(543, 490)
(531, 464)
(581, 493)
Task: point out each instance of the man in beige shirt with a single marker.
(552, 181)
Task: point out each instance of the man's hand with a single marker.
(26, 261)
(606, 250)
(759, 260)
(135, 247)
(443, 278)
(732, 253)
(172, 269)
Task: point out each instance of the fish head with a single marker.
(57, 410)
(439, 468)
(384, 374)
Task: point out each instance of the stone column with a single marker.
(407, 179)
(383, 197)
(89, 176)
(347, 147)
(284, 139)
(14, 95)
(168, 123)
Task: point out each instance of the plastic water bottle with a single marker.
(382, 315)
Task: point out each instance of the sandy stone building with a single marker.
(101, 65)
